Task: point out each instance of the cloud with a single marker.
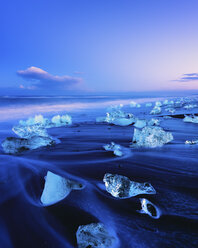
(41, 79)
(188, 77)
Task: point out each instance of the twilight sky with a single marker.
(68, 46)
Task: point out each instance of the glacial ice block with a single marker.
(30, 131)
(148, 104)
(190, 106)
(61, 120)
(12, 145)
(158, 104)
(122, 187)
(140, 123)
(94, 235)
(56, 121)
(117, 117)
(56, 188)
(193, 119)
(149, 208)
(191, 142)
(170, 110)
(151, 137)
(116, 149)
(156, 110)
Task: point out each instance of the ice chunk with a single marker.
(117, 117)
(151, 137)
(167, 117)
(148, 104)
(56, 121)
(12, 145)
(116, 149)
(63, 120)
(165, 102)
(138, 105)
(153, 122)
(158, 104)
(94, 235)
(38, 119)
(156, 110)
(191, 142)
(149, 208)
(190, 106)
(140, 123)
(192, 118)
(133, 104)
(170, 110)
(56, 188)
(122, 187)
(30, 131)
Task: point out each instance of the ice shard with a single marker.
(122, 187)
(94, 235)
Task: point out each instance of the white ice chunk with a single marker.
(148, 104)
(122, 187)
(191, 142)
(150, 209)
(56, 188)
(30, 131)
(193, 119)
(190, 106)
(94, 235)
(14, 145)
(117, 117)
(158, 104)
(165, 102)
(153, 122)
(151, 137)
(156, 110)
(61, 120)
(133, 104)
(170, 110)
(140, 123)
(116, 149)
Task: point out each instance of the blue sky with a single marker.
(98, 45)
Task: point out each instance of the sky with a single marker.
(69, 46)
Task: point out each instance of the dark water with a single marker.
(172, 170)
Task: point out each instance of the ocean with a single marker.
(171, 169)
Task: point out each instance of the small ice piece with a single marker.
(37, 119)
(30, 131)
(170, 110)
(167, 117)
(165, 102)
(94, 235)
(151, 137)
(178, 104)
(122, 187)
(148, 104)
(149, 208)
(117, 117)
(138, 105)
(140, 123)
(60, 121)
(191, 142)
(192, 118)
(116, 149)
(153, 122)
(123, 122)
(156, 110)
(190, 106)
(12, 145)
(56, 188)
(133, 104)
(158, 104)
